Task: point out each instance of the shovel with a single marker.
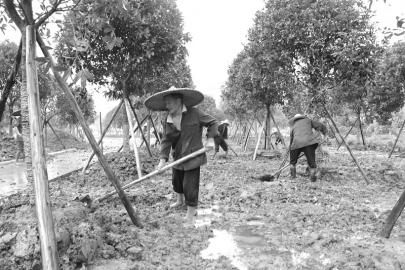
(158, 171)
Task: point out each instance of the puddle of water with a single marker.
(223, 244)
(246, 237)
(205, 216)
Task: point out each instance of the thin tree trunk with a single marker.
(135, 129)
(125, 130)
(361, 128)
(393, 216)
(267, 141)
(140, 127)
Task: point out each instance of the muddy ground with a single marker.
(243, 223)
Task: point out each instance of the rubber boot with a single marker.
(293, 171)
(191, 214)
(312, 174)
(179, 200)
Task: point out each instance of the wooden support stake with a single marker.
(140, 127)
(347, 146)
(393, 216)
(79, 115)
(156, 131)
(278, 130)
(101, 131)
(168, 166)
(104, 133)
(56, 135)
(396, 140)
(347, 134)
(135, 129)
(247, 138)
(131, 128)
(258, 142)
(49, 250)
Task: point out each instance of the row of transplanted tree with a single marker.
(307, 56)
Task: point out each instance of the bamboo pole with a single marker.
(136, 128)
(393, 216)
(347, 146)
(131, 128)
(101, 131)
(54, 132)
(278, 130)
(79, 115)
(258, 142)
(158, 171)
(347, 134)
(49, 250)
(396, 140)
(156, 131)
(140, 127)
(102, 136)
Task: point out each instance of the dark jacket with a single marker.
(189, 139)
(301, 132)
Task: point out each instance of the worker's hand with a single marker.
(210, 144)
(161, 164)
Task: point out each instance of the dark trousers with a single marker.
(219, 141)
(309, 152)
(187, 182)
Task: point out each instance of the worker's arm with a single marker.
(319, 126)
(211, 123)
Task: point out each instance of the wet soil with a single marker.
(243, 223)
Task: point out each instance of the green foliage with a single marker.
(85, 102)
(388, 94)
(209, 106)
(135, 42)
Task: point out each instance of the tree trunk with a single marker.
(267, 130)
(125, 130)
(10, 127)
(361, 128)
(49, 251)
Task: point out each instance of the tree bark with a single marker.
(393, 217)
(49, 251)
(361, 128)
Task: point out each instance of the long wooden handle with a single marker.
(168, 166)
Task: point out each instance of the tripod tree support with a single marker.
(396, 140)
(102, 136)
(154, 128)
(49, 250)
(347, 146)
(79, 115)
(131, 128)
(393, 216)
(347, 134)
(168, 166)
(135, 129)
(139, 125)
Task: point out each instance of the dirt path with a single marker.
(242, 223)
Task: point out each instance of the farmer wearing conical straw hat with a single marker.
(182, 133)
(222, 136)
(303, 139)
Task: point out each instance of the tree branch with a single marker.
(13, 14)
